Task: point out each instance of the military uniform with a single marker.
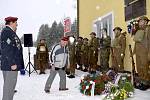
(84, 57)
(105, 44)
(78, 53)
(42, 56)
(93, 53)
(118, 50)
(72, 59)
(142, 50)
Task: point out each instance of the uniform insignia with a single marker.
(8, 41)
(17, 42)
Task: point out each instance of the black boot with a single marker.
(67, 72)
(15, 91)
(85, 70)
(71, 76)
(142, 86)
(93, 72)
(47, 91)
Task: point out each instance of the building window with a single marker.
(134, 9)
(104, 22)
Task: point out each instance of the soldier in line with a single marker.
(78, 52)
(93, 52)
(118, 49)
(72, 57)
(105, 44)
(85, 52)
(142, 51)
(42, 56)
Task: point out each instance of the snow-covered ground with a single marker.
(32, 88)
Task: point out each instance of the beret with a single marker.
(93, 33)
(117, 28)
(65, 38)
(10, 19)
(143, 18)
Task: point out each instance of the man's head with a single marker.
(117, 30)
(85, 40)
(64, 41)
(12, 22)
(80, 39)
(92, 34)
(104, 32)
(143, 21)
(42, 41)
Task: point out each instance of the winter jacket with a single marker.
(59, 56)
(11, 50)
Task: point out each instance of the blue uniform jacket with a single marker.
(11, 50)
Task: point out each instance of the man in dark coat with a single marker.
(11, 57)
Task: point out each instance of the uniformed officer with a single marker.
(118, 49)
(105, 44)
(78, 52)
(11, 57)
(42, 55)
(93, 52)
(84, 56)
(142, 50)
(72, 56)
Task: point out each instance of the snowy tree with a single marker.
(1, 26)
(43, 33)
(74, 28)
(60, 29)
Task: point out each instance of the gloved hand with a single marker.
(22, 72)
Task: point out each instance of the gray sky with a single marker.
(33, 13)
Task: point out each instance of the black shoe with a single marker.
(63, 89)
(79, 68)
(15, 91)
(71, 76)
(47, 91)
(93, 72)
(67, 72)
(42, 73)
(142, 86)
(85, 70)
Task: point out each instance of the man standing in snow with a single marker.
(42, 55)
(59, 57)
(11, 57)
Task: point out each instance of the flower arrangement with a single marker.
(120, 91)
(93, 84)
(116, 86)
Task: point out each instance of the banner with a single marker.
(67, 25)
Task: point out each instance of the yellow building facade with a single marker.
(93, 15)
